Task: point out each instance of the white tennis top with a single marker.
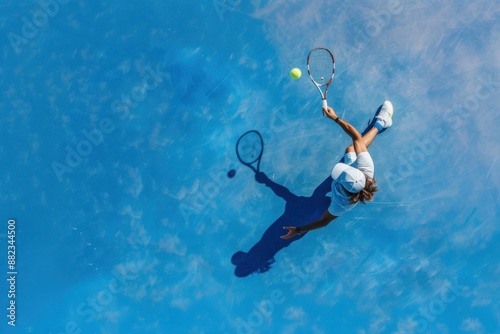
(340, 200)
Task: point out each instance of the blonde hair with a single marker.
(366, 194)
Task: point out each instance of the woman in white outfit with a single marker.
(353, 179)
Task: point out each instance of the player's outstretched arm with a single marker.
(357, 139)
(319, 223)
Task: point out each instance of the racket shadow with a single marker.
(299, 211)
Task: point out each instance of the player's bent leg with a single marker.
(367, 139)
(349, 149)
(370, 136)
(381, 121)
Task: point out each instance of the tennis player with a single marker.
(353, 179)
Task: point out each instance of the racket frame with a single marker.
(326, 84)
(250, 165)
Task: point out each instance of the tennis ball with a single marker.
(295, 73)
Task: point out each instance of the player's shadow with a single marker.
(299, 211)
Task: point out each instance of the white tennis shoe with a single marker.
(384, 117)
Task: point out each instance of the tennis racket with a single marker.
(249, 149)
(321, 69)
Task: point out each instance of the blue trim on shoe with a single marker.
(379, 126)
(372, 122)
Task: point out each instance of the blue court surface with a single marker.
(119, 123)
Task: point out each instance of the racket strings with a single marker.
(321, 66)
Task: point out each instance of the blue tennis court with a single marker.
(119, 123)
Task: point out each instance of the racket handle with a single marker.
(324, 106)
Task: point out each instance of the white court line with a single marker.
(491, 168)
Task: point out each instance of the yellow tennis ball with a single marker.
(295, 73)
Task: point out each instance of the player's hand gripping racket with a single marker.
(249, 149)
(321, 69)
